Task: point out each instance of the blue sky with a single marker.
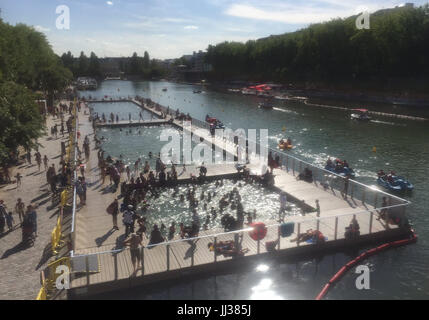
(171, 28)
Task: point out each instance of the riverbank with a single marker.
(370, 93)
(20, 265)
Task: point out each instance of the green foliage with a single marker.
(21, 122)
(27, 65)
(394, 46)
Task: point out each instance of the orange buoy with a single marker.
(259, 231)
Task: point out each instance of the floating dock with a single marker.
(100, 264)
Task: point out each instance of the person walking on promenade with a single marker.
(2, 216)
(32, 216)
(6, 174)
(18, 179)
(38, 157)
(346, 186)
(9, 220)
(28, 157)
(19, 209)
(51, 178)
(134, 242)
(128, 220)
(45, 162)
(113, 209)
(80, 191)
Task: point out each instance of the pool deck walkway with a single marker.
(95, 236)
(134, 123)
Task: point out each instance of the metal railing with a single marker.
(187, 253)
(73, 224)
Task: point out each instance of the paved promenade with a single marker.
(20, 267)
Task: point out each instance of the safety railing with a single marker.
(251, 241)
(328, 180)
(75, 145)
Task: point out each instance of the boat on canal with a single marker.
(265, 105)
(392, 182)
(360, 115)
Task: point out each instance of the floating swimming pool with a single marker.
(168, 208)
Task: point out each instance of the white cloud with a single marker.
(190, 27)
(110, 3)
(41, 29)
(308, 12)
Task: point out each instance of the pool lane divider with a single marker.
(361, 257)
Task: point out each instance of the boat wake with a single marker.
(389, 123)
(284, 110)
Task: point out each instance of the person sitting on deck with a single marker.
(352, 231)
(307, 175)
(203, 170)
(227, 248)
(304, 236)
(156, 236)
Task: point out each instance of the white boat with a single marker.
(360, 115)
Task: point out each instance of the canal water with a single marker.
(317, 134)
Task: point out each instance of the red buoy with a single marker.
(259, 231)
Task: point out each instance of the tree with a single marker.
(20, 118)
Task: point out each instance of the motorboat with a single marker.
(215, 122)
(395, 183)
(265, 105)
(360, 115)
(340, 167)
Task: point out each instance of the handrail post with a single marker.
(352, 190)
(299, 232)
(375, 200)
(293, 166)
(214, 251)
(287, 163)
(192, 258)
(363, 196)
(142, 254)
(168, 257)
(336, 227)
(115, 261)
(278, 238)
(259, 246)
(87, 270)
(370, 221)
(318, 224)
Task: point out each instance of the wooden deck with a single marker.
(134, 123)
(94, 236)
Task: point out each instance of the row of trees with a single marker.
(92, 66)
(82, 66)
(396, 45)
(29, 70)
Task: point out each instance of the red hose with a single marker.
(363, 256)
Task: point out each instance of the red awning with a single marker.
(360, 110)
